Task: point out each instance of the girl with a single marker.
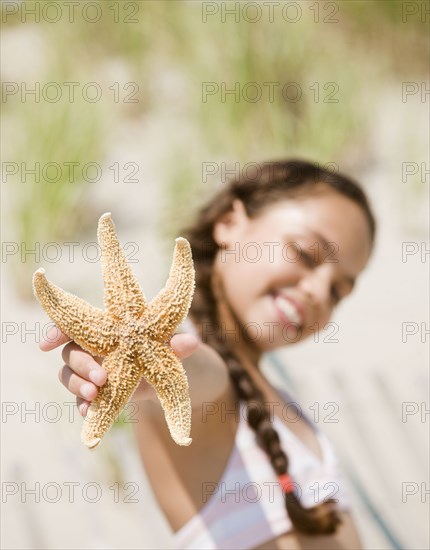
(273, 256)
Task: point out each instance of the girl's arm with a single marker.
(171, 469)
(181, 472)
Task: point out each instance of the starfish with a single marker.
(132, 335)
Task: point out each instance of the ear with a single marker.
(230, 226)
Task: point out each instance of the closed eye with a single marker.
(335, 295)
(309, 259)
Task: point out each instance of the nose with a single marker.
(316, 285)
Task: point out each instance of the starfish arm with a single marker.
(169, 308)
(163, 370)
(89, 327)
(123, 378)
(123, 295)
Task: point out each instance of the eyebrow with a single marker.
(351, 280)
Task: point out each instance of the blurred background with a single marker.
(144, 109)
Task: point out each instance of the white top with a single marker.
(246, 507)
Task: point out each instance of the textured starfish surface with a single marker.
(132, 335)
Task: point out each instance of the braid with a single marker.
(209, 307)
(322, 519)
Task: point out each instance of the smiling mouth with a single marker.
(288, 310)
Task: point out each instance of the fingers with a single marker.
(83, 364)
(77, 385)
(81, 375)
(53, 339)
(82, 406)
(184, 345)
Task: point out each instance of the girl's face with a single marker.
(284, 271)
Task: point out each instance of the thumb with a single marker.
(53, 339)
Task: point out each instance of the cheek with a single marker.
(247, 281)
(238, 285)
(244, 283)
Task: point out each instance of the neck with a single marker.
(244, 351)
(233, 333)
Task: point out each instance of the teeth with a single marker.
(288, 309)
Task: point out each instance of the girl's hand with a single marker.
(82, 374)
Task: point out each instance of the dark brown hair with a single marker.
(273, 181)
